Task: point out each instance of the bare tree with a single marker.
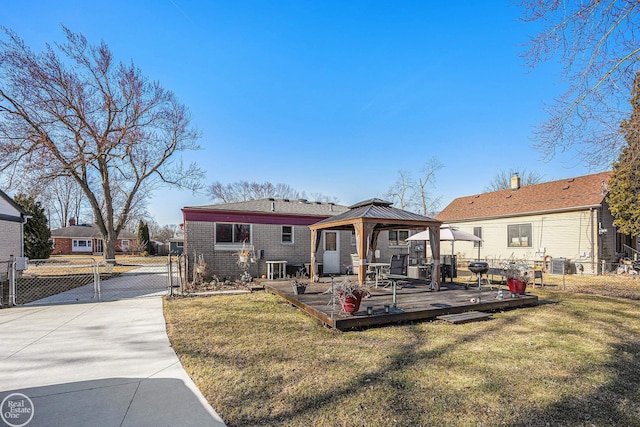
(60, 197)
(73, 111)
(413, 194)
(597, 43)
(502, 180)
(427, 179)
(161, 233)
(240, 191)
(65, 199)
(400, 192)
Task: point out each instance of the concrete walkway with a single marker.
(97, 364)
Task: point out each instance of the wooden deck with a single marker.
(416, 302)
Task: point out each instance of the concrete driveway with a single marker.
(95, 364)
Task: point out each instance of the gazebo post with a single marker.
(362, 250)
(312, 266)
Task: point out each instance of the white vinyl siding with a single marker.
(571, 235)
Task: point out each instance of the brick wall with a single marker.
(199, 240)
(61, 246)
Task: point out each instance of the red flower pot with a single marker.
(516, 286)
(351, 303)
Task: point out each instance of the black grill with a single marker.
(478, 267)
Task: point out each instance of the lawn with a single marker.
(572, 360)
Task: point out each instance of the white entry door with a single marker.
(331, 256)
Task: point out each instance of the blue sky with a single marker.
(330, 97)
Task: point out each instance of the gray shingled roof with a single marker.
(86, 232)
(377, 209)
(283, 206)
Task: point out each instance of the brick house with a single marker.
(12, 219)
(567, 219)
(86, 239)
(277, 230)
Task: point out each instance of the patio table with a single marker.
(282, 265)
(377, 267)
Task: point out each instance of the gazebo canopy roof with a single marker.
(377, 211)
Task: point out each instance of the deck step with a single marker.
(466, 317)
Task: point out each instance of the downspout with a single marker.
(25, 218)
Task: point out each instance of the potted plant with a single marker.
(518, 277)
(245, 256)
(350, 295)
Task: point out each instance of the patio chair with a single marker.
(355, 264)
(397, 269)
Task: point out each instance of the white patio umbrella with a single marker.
(449, 233)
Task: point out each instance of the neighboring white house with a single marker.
(12, 219)
(568, 218)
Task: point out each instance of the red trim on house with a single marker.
(249, 217)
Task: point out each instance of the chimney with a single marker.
(515, 181)
(72, 222)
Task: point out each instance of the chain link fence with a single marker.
(54, 280)
(617, 279)
(58, 280)
(5, 267)
(130, 277)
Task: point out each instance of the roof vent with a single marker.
(286, 200)
(509, 196)
(567, 187)
(318, 203)
(302, 200)
(271, 199)
(571, 179)
(273, 206)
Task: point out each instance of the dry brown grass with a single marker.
(572, 360)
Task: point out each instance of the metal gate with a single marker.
(133, 277)
(62, 280)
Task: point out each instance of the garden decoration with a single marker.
(246, 257)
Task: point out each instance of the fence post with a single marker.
(170, 274)
(96, 280)
(12, 281)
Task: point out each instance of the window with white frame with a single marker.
(230, 234)
(398, 237)
(81, 245)
(124, 245)
(287, 234)
(519, 235)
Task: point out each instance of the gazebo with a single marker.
(368, 219)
